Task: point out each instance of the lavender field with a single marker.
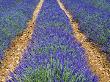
(56, 51)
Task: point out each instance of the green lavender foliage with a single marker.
(51, 74)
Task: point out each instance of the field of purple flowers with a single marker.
(94, 19)
(14, 15)
(53, 54)
(53, 40)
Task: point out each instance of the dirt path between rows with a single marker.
(96, 59)
(17, 47)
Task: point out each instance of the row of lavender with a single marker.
(13, 17)
(53, 40)
(94, 19)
